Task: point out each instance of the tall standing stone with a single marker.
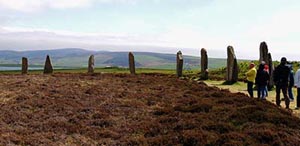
(271, 69)
(131, 63)
(24, 65)
(232, 67)
(265, 55)
(48, 69)
(204, 64)
(263, 52)
(91, 64)
(179, 66)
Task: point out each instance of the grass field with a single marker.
(105, 70)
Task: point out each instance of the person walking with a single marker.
(250, 77)
(297, 85)
(281, 80)
(261, 81)
(291, 83)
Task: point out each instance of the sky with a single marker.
(153, 25)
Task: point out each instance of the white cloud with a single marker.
(281, 31)
(282, 24)
(37, 5)
(26, 5)
(27, 39)
(41, 39)
(186, 40)
(242, 24)
(62, 4)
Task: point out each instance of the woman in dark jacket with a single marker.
(291, 83)
(261, 81)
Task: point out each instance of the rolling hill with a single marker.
(77, 58)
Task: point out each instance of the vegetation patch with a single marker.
(146, 109)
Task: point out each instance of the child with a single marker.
(266, 68)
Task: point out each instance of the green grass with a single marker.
(101, 70)
(144, 59)
(236, 87)
(19, 65)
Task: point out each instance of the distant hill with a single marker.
(74, 57)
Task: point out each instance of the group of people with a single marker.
(283, 77)
(260, 78)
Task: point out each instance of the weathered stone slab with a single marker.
(263, 52)
(131, 63)
(24, 65)
(204, 64)
(48, 69)
(179, 66)
(232, 67)
(91, 64)
(265, 55)
(271, 69)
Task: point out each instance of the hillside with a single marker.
(78, 58)
(147, 109)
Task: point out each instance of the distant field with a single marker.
(78, 58)
(103, 70)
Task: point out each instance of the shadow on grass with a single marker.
(229, 82)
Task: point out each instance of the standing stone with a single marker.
(24, 65)
(204, 64)
(91, 64)
(131, 63)
(232, 67)
(179, 66)
(263, 52)
(265, 55)
(48, 66)
(271, 69)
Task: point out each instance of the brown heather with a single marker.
(147, 109)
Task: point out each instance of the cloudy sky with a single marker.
(193, 24)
